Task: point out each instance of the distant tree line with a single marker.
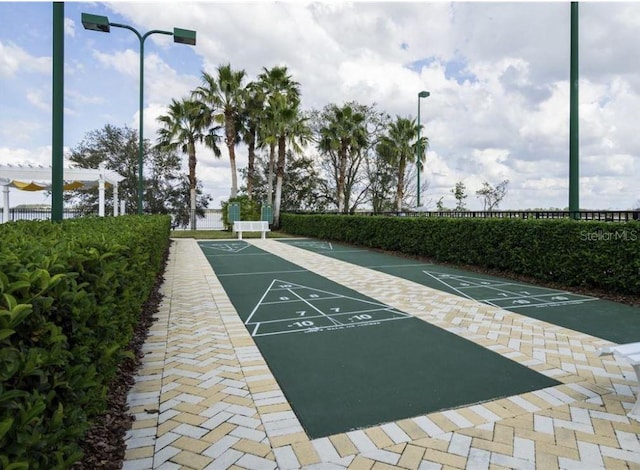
(341, 157)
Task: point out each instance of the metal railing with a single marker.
(18, 213)
(212, 219)
(604, 216)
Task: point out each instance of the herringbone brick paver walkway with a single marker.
(205, 398)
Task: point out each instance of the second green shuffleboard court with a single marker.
(345, 361)
(612, 321)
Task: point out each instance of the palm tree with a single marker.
(251, 117)
(274, 82)
(399, 148)
(186, 124)
(224, 94)
(290, 128)
(345, 133)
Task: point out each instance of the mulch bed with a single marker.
(104, 445)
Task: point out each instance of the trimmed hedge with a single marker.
(70, 296)
(602, 255)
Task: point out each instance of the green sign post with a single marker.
(233, 212)
(266, 213)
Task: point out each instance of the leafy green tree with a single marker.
(249, 209)
(185, 124)
(440, 205)
(291, 129)
(399, 148)
(279, 90)
(117, 149)
(360, 162)
(224, 95)
(303, 189)
(182, 215)
(343, 133)
(492, 197)
(382, 181)
(459, 194)
(251, 116)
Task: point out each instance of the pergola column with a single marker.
(115, 199)
(5, 198)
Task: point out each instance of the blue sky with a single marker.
(498, 74)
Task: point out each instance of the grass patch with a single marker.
(222, 234)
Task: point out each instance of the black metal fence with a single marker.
(605, 216)
(40, 214)
(212, 219)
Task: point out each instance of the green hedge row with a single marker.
(70, 296)
(601, 255)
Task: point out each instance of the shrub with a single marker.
(603, 255)
(70, 296)
(249, 210)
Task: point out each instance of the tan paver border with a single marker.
(205, 398)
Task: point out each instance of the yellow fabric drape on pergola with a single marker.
(68, 186)
(38, 178)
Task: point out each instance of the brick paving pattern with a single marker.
(204, 397)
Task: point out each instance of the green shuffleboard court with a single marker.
(601, 318)
(345, 361)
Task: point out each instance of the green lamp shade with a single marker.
(184, 36)
(96, 22)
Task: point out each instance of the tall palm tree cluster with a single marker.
(265, 114)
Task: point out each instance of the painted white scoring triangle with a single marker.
(514, 295)
(287, 307)
(227, 247)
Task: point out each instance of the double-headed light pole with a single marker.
(422, 94)
(182, 36)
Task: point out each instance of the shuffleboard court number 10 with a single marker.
(303, 323)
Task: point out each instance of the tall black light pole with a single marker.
(182, 36)
(422, 94)
(574, 136)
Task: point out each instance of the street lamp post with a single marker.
(422, 94)
(182, 36)
(574, 132)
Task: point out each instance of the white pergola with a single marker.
(38, 178)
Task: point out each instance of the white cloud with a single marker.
(36, 98)
(19, 131)
(126, 62)
(69, 27)
(78, 98)
(26, 156)
(498, 74)
(14, 60)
